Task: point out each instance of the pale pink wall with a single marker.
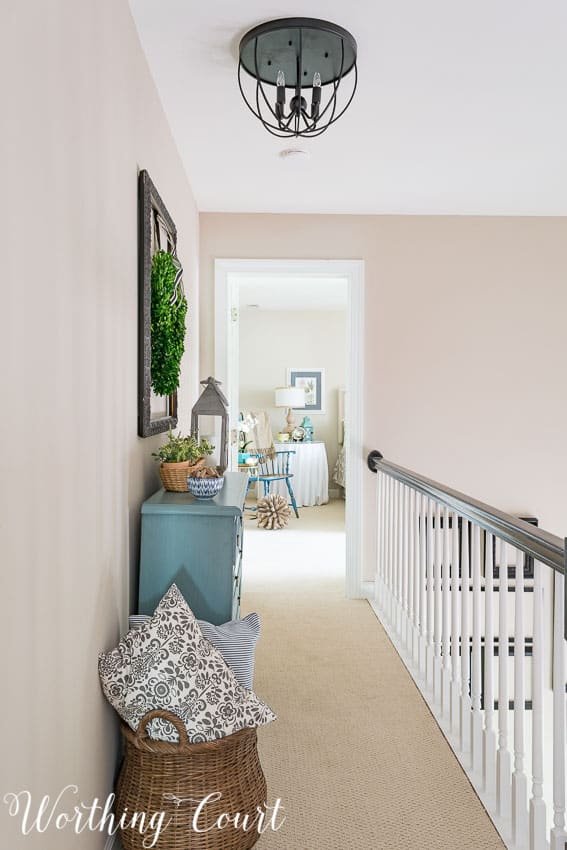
(465, 353)
(81, 116)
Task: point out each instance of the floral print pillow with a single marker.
(168, 664)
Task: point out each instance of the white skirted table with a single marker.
(310, 470)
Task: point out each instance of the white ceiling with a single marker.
(286, 292)
(461, 108)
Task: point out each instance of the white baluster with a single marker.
(416, 577)
(411, 568)
(466, 707)
(405, 573)
(393, 551)
(430, 583)
(379, 539)
(395, 555)
(490, 740)
(399, 559)
(446, 591)
(455, 636)
(385, 590)
(380, 585)
(537, 809)
(391, 547)
(519, 778)
(476, 673)
(438, 607)
(422, 584)
(384, 525)
(503, 758)
(558, 832)
(395, 558)
(385, 529)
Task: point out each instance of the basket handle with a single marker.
(158, 713)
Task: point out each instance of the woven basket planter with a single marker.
(174, 475)
(158, 776)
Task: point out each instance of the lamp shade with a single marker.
(290, 397)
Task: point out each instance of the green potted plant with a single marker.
(180, 458)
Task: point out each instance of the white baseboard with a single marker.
(368, 590)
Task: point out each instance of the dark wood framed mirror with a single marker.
(156, 231)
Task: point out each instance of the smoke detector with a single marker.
(295, 155)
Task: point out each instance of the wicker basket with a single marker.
(174, 475)
(158, 776)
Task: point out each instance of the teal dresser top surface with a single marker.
(230, 500)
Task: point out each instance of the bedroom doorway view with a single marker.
(292, 351)
(288, 346)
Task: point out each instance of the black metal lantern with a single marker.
(212, 402)
(303, 56)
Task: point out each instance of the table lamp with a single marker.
(290, 397)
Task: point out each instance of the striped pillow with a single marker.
(235, 640)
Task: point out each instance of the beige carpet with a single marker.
(355, 755)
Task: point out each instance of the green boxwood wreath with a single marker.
(167, 325)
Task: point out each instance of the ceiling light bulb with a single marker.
(316, 96)
(280, 96)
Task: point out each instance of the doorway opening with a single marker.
(269, 313)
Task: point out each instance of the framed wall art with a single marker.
(161, 314)
(313, 382)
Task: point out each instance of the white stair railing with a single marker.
(470, 623)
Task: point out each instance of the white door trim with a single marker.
(226, 370)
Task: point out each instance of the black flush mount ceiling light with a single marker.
(295, 56)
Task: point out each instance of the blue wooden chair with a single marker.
(274, 466)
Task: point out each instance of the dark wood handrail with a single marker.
(544, 547)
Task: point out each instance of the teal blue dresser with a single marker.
(196, 544)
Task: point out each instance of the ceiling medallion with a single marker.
(292, 56)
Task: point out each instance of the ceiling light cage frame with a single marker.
(297, 54)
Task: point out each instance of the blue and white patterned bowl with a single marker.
(205, 488)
